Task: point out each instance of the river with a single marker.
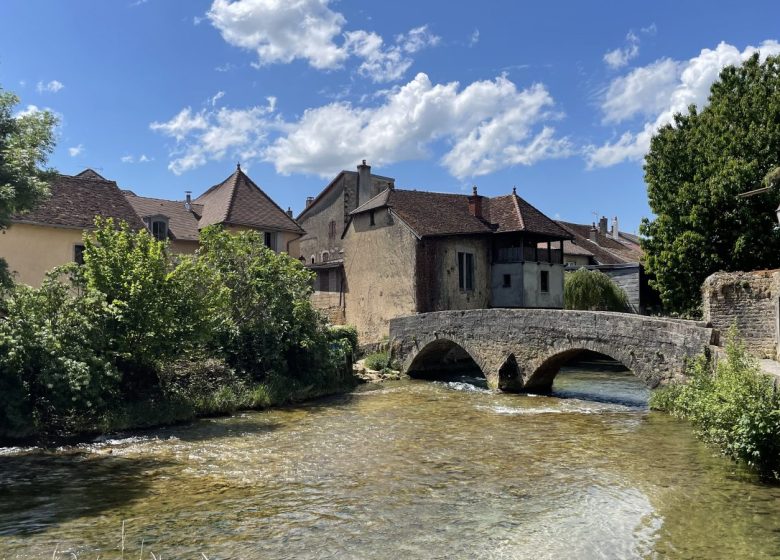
(410, 469)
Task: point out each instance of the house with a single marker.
(324, 219)
(616, 253)
(407, 251)
(51, 235)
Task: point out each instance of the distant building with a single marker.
(51, 235)
(617, 254)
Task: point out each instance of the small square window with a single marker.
(507, 280)
(544, 281)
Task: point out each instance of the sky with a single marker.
(559, 99)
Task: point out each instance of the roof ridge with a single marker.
(229, 206)
(517, 208)
(271, 200)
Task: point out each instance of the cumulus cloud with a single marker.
(657, 92)
(283, 31)
(622, 56)
(76, 150)
(51, 87)
(143, 158)
(486, 126)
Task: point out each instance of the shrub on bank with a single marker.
(137, 336)
(592, 290)
(733, 405)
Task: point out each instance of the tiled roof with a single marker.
(606, 249)
(90, 174)
(182, 223)
(429, 213)
(239, 201)
(76, 200)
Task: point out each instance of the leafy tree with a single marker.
(26, 141)
(694, 171)
(593, 290)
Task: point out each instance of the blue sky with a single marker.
(558, 98)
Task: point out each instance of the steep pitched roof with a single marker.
(239, 201)
(76, 200)
(606, 249)
(430, 213)
(182, 223)
(90, 174)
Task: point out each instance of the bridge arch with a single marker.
(442, 355)
(543, 370)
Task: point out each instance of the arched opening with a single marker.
(588, 375)
(444, 360)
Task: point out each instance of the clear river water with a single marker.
(410, 469)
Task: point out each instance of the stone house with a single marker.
(409, 252)
(615, 253)
(324, 219)
(51, 235)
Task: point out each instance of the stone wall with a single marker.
(523, 349)
(748, 300)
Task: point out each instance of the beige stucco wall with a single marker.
(532, 294)
(379, 263)
(32, 250)
(283, 238)
(443, 291)
(577, 260)
(184, 247)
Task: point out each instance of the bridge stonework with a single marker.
(523, 349)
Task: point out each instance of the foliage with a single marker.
(268, 323)
(694, 171)
(346, 333)
(53, 364)
(26, 141)
(592, 290)
(379, 361)
(735, 406)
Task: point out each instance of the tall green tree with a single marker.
(694, 171)
(26, 141)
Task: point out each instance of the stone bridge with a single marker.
(523, 349)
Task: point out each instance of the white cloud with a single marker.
(282, 31)
(486, 126)
(127, 159)
(622, 56)
(658, 91)
(216, 97)
(76, 150)
(145, 159)
(474, 38)
(51, 87)
(29, 110)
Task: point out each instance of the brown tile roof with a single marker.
(606, 249)
(239, 201)
(182, 223)
(90, 174)
(76, 200)
(430, 213)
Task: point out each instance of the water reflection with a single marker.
(420, 469)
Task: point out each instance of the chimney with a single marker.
(603, 222)
(309, 200)
(364, 183)
(475, 203)
(615, 229)
(188, 200)
(592, 234)
(289, 212)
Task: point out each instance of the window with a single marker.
(371, 220)
(332, 229)
(78, 254)
(507, 280)
(466, 271)
(323, 280)
(544, 281)
(269, 239)
(325, 256)
(160, 230)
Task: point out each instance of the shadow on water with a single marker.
(39, 489)
(599, 378)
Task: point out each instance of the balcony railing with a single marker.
(522, 254)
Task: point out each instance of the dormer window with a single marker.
(158, 226)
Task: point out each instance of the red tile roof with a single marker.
(239, 201)
(606, 249)
(430, 213)
(76, 200)
(182, 223)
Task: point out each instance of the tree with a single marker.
(26, 141)
(694, 171)
(592, 290)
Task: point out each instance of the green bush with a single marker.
(378, 361)
(734, 406)
(592, 290)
